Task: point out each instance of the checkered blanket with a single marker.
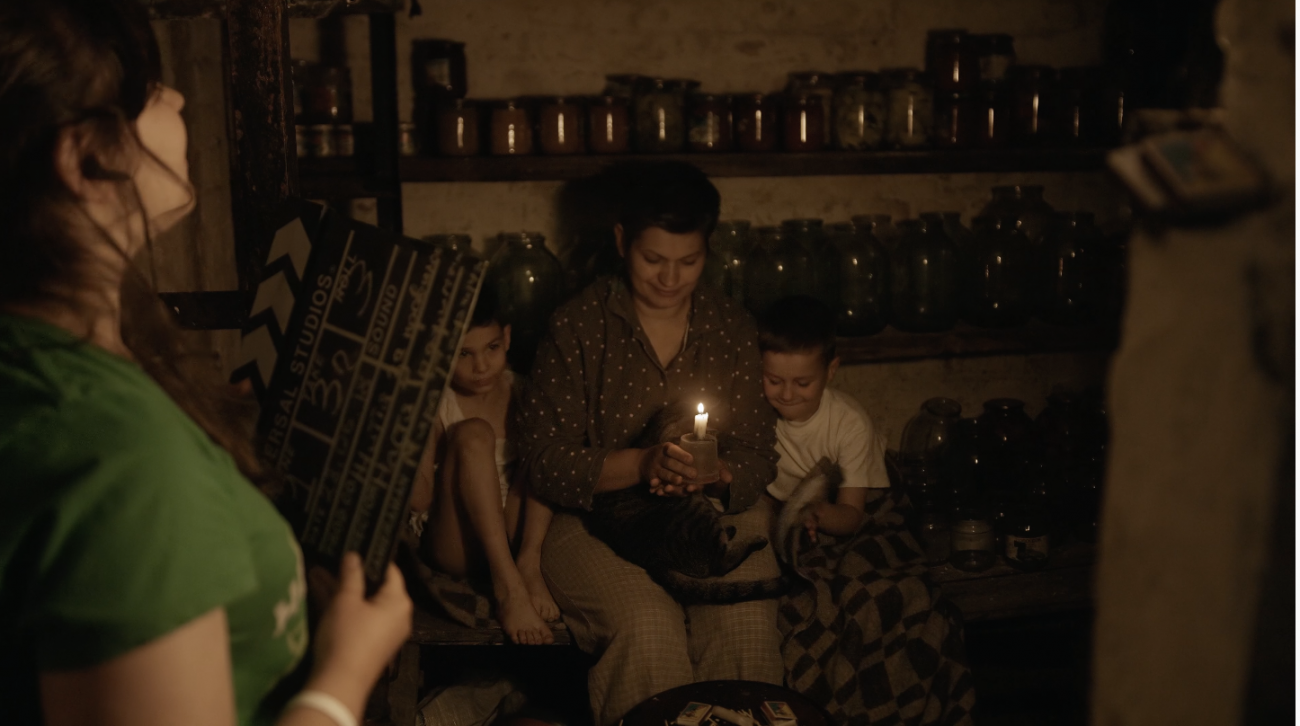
(871, 639)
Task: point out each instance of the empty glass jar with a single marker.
(995, 274)
(724, 268)
(863, 270)
(923, 279)
(1073, 270)
(530, 284)
(807, 262)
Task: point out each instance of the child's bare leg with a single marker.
(537, 519)
(467, 507)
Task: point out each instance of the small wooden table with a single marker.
(735, 695)
(1064, 583)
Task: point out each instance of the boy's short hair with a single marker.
(798, 324)
(672, 195)
(488, 308)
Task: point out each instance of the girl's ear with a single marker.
(618, 240)
(505, 336)
(72, 158)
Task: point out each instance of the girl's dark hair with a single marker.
(487, 309)
(672, 195)
(92, 65)
(798, 324)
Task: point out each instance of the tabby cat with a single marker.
(680, 541)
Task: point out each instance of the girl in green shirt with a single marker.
(143, 579)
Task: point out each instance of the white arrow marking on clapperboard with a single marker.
(259, 346)
(275, 293)
(292, 240)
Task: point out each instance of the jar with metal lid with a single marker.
(529, 283)
(458, 127)
(863, 271)
(459, 243)
(560, 120)
(756, 117)
(512, 129)
(973, 545)
(329, 98)
(859, 106)
(1078, 106)
(991, 116)
(996, 53)
(923, 448)
(1026, 536)
(660, 122)
(608, 125)
(911, 108)
(724, 268)
(995, 275)
(708, 122)
(951, 61)
(1033, 102)
(821, 85)
(923, 279)
(621, 85)
(953, 118)
(804, 127)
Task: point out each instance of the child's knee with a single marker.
(473, 435)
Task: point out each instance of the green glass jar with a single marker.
(863, 269)
(724, 267)
(923, 279)
(881, 228)
(530, 284)
(805, 262)
(1074, 277)
(762, 278)
(995, 275)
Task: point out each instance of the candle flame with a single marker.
(700, 408)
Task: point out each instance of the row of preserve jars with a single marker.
(1027, 484)
(924, 275)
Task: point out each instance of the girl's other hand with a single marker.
(665, 466)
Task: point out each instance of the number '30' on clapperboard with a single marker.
(350, 344)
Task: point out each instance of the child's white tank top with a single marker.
(449, 414)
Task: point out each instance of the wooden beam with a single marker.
(264, 167)
(184, 9)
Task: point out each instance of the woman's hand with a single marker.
(357, 637)
(666, 467)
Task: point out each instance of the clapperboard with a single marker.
(350, 344)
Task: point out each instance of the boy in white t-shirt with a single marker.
(818, 425)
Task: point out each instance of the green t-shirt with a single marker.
(120, 520)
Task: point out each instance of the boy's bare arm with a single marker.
(843, 516)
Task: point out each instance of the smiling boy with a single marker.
(818, 425)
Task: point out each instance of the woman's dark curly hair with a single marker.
(92, 66)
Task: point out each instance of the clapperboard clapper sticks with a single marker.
(349, 345)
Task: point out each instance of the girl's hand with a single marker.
(666, 466)
(357, 637)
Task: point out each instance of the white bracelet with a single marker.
(326, 704)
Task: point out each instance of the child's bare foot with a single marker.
(520, 621)
(531, 570)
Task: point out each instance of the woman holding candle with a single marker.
(623, 350)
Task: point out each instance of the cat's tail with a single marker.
(690, 590)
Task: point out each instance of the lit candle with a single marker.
(701, 423)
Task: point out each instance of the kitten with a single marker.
(788, 530)
(679, 541)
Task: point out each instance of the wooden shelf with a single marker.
(325, 178)
(1001, 591)
(966, 341)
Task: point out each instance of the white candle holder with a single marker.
(704, 456)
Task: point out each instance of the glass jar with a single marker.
(1026, 536)
(991, 116)
(923, 279)
(459, 243)
(1033, 104)
(512, 129)
(300, 72)
(881, 228)
(438, 77)
(910, 119)
(1111, 96)
(560, 120)
(806, 262)
(821, 85)
(660, 125)
(458, 126)
(1008, 446)
(762, 276)
(1025, 204)
(954, 115)
(958, 232)
(996, 53)
(804, 122)
(708, 122)
(863, 270)
(934, 533)
(951, 61)
(724, 268)
(329, 100)
(756, 121)
(859, 111)
(408, 139)
(1114, 279)
(529, 283)
(622, 85)
(973, 546)
(995, 274)
(1072, 250)
(923, 450)
(609, 128)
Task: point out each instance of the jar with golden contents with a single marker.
(512, 129)
(608, 125)
(804, 122)
(756, 121)
(561, 126)
(458, 127)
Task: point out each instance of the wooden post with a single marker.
(264, 163)
(383, 89)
